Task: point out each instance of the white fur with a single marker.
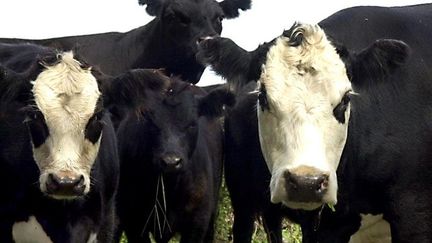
(92, 238)
(303, 84)
(373, 229)
(66, 94)
(29, 231)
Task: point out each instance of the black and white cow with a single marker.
(310, 121)
(168, 41)
(171, 163)
(58, 150)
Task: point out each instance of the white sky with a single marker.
(264, 21)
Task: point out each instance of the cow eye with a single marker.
(183, 19)
(37, 127)
(192, 126)
(340, 109)
(94, 127)
(220, 18)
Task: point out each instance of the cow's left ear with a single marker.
(231, 7)
(153, 6)
(212, 105)
(380, 59)
(15, 86)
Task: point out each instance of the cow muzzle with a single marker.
(171, 162)
(65, 185)
(303, 187)
(306, 184)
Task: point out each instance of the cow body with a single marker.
(171, 166)
(382, 169)
(58, 148)
(168, 41)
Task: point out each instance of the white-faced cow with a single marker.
(168, 41)
(310, 120)
(171, 163)
(58, 150)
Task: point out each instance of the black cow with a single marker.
(307, 121)
(58, 150)
(168, 41)
(171, 163)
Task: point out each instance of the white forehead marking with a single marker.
(29, 231)
(309, 73)
(66, 94)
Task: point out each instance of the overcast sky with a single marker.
(264, 21)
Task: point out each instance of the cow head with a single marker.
(171, 120)
(304, 109)
(183, 23)
(63, 102)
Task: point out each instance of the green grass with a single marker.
(223, 232)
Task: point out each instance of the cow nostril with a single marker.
(322, 183)
(52, 183)
(203, 38)
(172, 162)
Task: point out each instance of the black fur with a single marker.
(181, 122)
(168, 41)
(386, 143)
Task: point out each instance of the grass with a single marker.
(223, 233)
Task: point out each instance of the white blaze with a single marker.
(303, 85)
(66, 94)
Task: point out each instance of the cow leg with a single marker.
(209, 237)
(194, 234)
(272, 219)
(244, 219)
(137, 236)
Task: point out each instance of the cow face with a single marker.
(171, 120)
(183, 23)
(64, 123)
(302, 116)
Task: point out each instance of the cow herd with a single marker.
(328, 125)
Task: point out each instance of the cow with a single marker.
(58, 150)
(171, 163)
(304, 122)
(168, 41)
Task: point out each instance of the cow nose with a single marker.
(171, 162)
(208, 37)
(65, 185)
(310, 187)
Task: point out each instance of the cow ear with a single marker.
(378, 60)
(130, 89)
(13, 86)
(153, 6)
(212, 105)
(231, 7)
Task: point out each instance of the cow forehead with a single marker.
(311, 69)
(66, 93)
(197, 6)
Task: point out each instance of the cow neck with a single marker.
(149, 47)
(140, 48)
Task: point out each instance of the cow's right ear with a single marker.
(14, 86)
(154, 7)
(212, 105)
(380, 59)
(130, 89)
(231, 7)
